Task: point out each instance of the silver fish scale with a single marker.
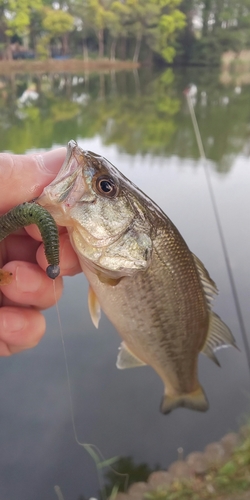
(162, 313)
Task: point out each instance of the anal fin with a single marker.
(126, 359)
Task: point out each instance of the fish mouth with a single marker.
(72, 160)
(69, 186)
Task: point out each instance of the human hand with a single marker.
(22, 178)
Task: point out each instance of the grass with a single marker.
(220, 483)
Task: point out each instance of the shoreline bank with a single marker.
(64, 65)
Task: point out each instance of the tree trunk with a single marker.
(65, 44)
(32, 38)
(113, 49)
(85, 51)
(137, 48)
(205, 15)
(8, 52)
(101, 43)
(123, 48)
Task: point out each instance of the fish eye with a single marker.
(106, 186)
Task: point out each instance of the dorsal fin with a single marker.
(126, 359)
(209, 286)
(219, 336)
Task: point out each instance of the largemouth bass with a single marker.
(141, 273)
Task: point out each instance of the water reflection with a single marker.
(140, 112)
(118, 411)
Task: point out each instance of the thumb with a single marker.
(23, 177)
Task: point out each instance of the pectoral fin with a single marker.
(219, 336)
(108, 280)
(126, 359)
(94, 307)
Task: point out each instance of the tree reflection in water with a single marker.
(142, 112)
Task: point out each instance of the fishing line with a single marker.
(58, 492)
(86, 446)
(219, 227)
(92, 449)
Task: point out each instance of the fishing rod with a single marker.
(188, 93)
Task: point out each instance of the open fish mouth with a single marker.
(74, 156)
(69, 185)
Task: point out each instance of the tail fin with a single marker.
(193, 400)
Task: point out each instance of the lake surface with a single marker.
(140, 122)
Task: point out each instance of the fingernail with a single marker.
(51, 161)
(12, 322)
(27, 280)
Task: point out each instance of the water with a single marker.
(141, 124)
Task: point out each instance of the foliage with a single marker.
(230, 479)
(224, 25)
(15, 15)
(99, 16)
(125, 473)
(57, 22)
(141, 113)
(158, 23)
(184, 31)
(152, 24)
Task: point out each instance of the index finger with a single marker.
(23, 177)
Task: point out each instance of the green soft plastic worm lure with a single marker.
(31, 213)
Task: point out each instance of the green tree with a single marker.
(99, 15)
(164, 34)
(15, 18)
(224, 25)
(186, 38)
(156, 22)
(56, 24)
(78, 9)
(117, 23)
(228, 22)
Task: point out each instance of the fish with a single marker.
(141, 274)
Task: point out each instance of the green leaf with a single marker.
(108, 462)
